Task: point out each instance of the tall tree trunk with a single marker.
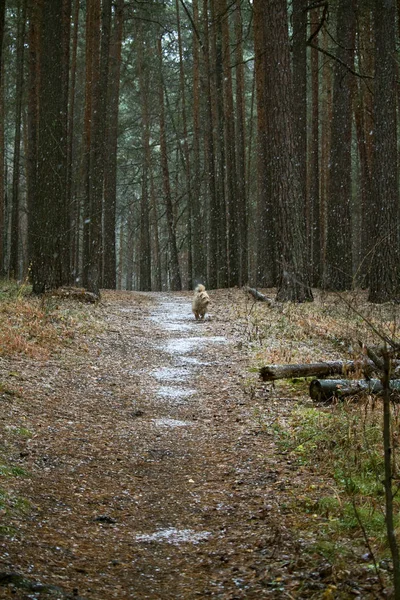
(144, 224)
(110, 181)
(384, 278)
(199, 248)
(186, 153)
(326, 120)
(175, 275)
(2, 179)
(213, 204)
(71, 196)
(300, 100)
(34, 16)
(65, 42)
(363, 113)
(286, 185)
(216, 79)
(338, 272)
(315, 240)
(48, 214)
(156, 270)
(229, 140)
(241, 149)
(91, 53)
(15, 199)
(97, 149)
(2, 22)
(266, 211)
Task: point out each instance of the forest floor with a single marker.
(139, 457)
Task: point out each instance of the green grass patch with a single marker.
(343, 445)
(9, 471)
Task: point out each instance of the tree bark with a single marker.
(144, 224)
(15, 198)
(199, 247)
(186, 153)
(316, 230)
(286, 186)
(110, 179)
(338, 267)
(242, 208)
(266, 231)
(384, 278)
(34, 16)
(97, 146)
(48, 215)
(175, 275)
(230, 172)
(213, 206)
(71, 190)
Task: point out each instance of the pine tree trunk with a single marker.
(91, 50)
(175, 276)
(2, 179)
(241, 149)
(216, 77)
(384, 279)
(110, 180)
(71, 195)
(199, 248)
(156, 270)
(363, 116)
(266, 210)
(326, 119)
(186, 153)
(338, 274)
(34, 14)
(144, 224)
(300, 101)
(48, 216)
(286, 184)
(229, 140)
(213, 205)
(315, 240)
(14, 269)
(97, 147)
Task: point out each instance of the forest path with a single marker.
(148, 474)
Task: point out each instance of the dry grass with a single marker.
(36, 327)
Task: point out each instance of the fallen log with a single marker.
(327, 389)
(364, 366)
(79, 294)
(259, 296)
(320, 369)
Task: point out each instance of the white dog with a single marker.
(201, 301)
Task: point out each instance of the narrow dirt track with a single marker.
(148, 473)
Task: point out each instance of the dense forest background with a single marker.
(154, 144)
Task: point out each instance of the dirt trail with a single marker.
(148, 473)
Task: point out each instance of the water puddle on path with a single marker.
(176, 374)
(175, 393)
(174, 536)
(172, 423)
(183, 352)
(182, 345)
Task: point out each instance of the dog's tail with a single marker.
(200, 288)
